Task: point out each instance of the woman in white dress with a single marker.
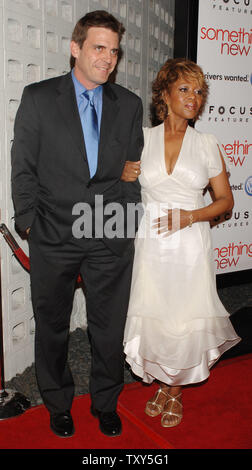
(177, 328)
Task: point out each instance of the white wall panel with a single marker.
(34, 45)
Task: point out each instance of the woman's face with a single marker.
(184, 99)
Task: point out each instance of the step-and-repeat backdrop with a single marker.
(225, 54)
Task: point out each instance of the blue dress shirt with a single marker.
(79, 89)
(91, 145)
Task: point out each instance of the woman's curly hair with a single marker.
(171, 71)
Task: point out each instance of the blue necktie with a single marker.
(91, 132)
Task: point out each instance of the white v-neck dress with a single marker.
(176, 327)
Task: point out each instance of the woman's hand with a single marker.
(174, 220)
(131, 171)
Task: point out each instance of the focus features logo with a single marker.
(237, 219)
(232, 42)
(233, 6)
(230, 113)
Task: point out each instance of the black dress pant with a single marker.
(107, 279)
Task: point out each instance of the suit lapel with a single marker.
(68, 107)
(69, 110)
(110, 110)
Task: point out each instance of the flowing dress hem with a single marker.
(149, 370)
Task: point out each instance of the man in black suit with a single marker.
(53, 172)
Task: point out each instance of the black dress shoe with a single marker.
(110, 423)
(62, 424)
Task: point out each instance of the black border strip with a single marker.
(186, 29)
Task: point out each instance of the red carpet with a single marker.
(217, 415)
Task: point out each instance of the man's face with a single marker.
(97, 58)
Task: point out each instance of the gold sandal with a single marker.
(153, 402)
(168, 411)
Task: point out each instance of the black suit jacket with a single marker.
(50, 172)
